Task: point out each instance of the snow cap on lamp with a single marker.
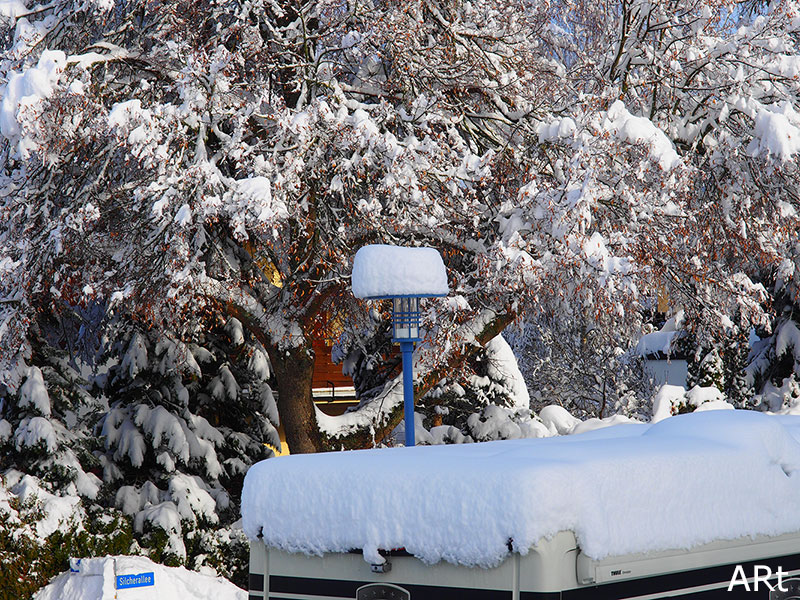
(382, 271)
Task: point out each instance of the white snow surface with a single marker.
(641, 130)
(33, 431)
(776, 132)
(11, 9)
(502, 365)
(33, 392)
(621, 489)
(381, 271)
(95, 579)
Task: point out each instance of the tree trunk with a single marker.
(293, 370)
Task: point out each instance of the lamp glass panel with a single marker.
(405, 317)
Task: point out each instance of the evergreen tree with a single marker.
(51, 493)
(46, 425)
(187, 421)
(774, 367)
(738, 388)
(709, 371)
(162, 465)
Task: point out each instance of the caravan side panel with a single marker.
(548, 568)
(705, 572)
(259, 571)
(340, 576)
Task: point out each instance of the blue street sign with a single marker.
(134, 581)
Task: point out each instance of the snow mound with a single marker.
(107, 578)
(381, 271)
(621, 489)
(668, 396)
(558, 419)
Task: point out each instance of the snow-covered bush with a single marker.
(774, 367)
(589, 369)
(675, 399)
(40, 531)
(486, 399)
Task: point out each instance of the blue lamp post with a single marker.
(405, 331)
(405, 275)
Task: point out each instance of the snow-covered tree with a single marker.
(186, 422)
(237, 180)
(51, 492)
(774, 362)
(46, 426)
(157, 472)
(581, 365)
(175, 159)
(707, 372)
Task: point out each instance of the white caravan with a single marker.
(552, 570)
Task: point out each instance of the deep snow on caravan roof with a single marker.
(684, 481)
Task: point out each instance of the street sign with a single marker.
(135, 581)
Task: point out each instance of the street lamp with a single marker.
(405, 319)
(405, 275)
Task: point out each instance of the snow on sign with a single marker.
(381, 271)
(135, 581)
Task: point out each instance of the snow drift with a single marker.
(97, 579)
